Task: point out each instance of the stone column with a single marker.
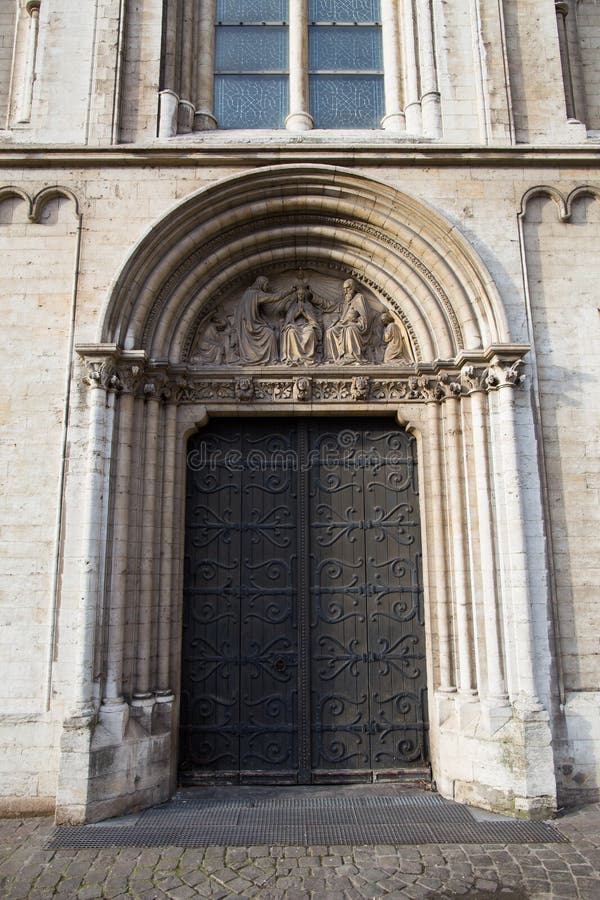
(519, 612)
(476, 385)
(164, 688)
(299, 118)
(143, 696)
(168, 98)
(458, 548)
(438, 554)
(204, 118)
(100, 400)
(562, 11)
(26, 100)
(187, 64)
(412, 107)
(430, 95)
(394, 119)
(114, 711)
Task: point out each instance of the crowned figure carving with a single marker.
(302, 324)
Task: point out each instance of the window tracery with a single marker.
(300, 64)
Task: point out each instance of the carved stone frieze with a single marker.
(376, 383)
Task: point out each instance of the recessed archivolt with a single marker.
(284, 217)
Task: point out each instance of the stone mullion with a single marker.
(430, 95)
(299, 118)
(496, 686)
(168, 565)
(394, 118)
(458, 548)
(438, 552)
(148, 557)
(33, 10)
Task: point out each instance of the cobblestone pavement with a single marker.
(330, 873)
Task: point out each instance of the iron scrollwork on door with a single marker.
(303, 648)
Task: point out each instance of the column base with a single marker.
(394, 122)
(299, 121)
(204, 121)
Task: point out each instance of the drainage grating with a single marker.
(308, 820)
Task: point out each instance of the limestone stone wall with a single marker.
(37, 286)
(118, 204)
(561, 255)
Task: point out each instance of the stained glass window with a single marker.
(251, 101)
(252, 49)
(251, 62)
(345, 63)
(346, 101)
(345, 48)
(343, 10)
(249, 11)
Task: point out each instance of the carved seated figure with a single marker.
(301, 331)
(345, 340)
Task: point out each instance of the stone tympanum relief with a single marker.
(301, 322)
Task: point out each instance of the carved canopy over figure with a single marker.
(256, 339)
(345, 340)
(301, 331)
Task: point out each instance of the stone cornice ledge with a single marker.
(240, 154)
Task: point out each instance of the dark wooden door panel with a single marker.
(303, 647)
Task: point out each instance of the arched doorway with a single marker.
(303, 655)
(171, 358)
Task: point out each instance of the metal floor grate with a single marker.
(309, 820)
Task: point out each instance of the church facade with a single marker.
(299, 442)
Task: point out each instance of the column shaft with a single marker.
(412, 108)
(430, 96)
(496, 688)
(299, 118)
(24, 114)
(520, 612)
(148, 556)
(438, 552)
(394, 119)
(457, 527)
(204, 119)
(121, 554)
(91, 555)
(167, 554)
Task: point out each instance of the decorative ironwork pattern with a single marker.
(303, 647)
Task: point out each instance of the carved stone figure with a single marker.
(393, 340)
(302, 389)
(215, 344)
(301, 330)
(345, 340)
(256, 339)
(359, 389)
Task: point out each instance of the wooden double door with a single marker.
(303, 655)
